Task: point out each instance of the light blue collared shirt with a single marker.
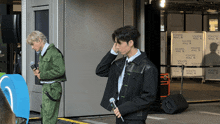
(46, 45)
(120, 79)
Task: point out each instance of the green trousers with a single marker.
(50, 108)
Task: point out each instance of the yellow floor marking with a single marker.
(69, 120)
(64, 119)
(34, 118)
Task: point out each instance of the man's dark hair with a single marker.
(126, 33)
(7, 116)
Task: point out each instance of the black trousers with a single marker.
(119, 121)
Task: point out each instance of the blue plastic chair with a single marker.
(16, 91)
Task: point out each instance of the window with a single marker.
(213, 24)
(42, 25)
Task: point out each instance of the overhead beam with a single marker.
(17, 2)
(6, 1)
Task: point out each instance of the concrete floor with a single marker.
(199, 112)
(194, 90)
(202, 113)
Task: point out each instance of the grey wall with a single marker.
(89, 25)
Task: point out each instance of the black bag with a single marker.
(174, 104)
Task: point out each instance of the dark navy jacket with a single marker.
(139, 88)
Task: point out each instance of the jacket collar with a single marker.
(139, 58)
(50, 46)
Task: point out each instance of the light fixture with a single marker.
(211, 11)
(162, 3)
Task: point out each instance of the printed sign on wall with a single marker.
(186, 49)
(212, 55)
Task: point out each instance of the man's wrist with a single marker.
(113, 52)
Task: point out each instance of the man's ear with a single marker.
(40, 40)
(131, 43)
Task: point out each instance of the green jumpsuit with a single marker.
(52, 68)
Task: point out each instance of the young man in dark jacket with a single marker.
(51, 73)
(132, 80)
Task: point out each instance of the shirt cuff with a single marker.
(113, 52)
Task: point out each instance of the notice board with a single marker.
(186, 49)
(212, 55)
